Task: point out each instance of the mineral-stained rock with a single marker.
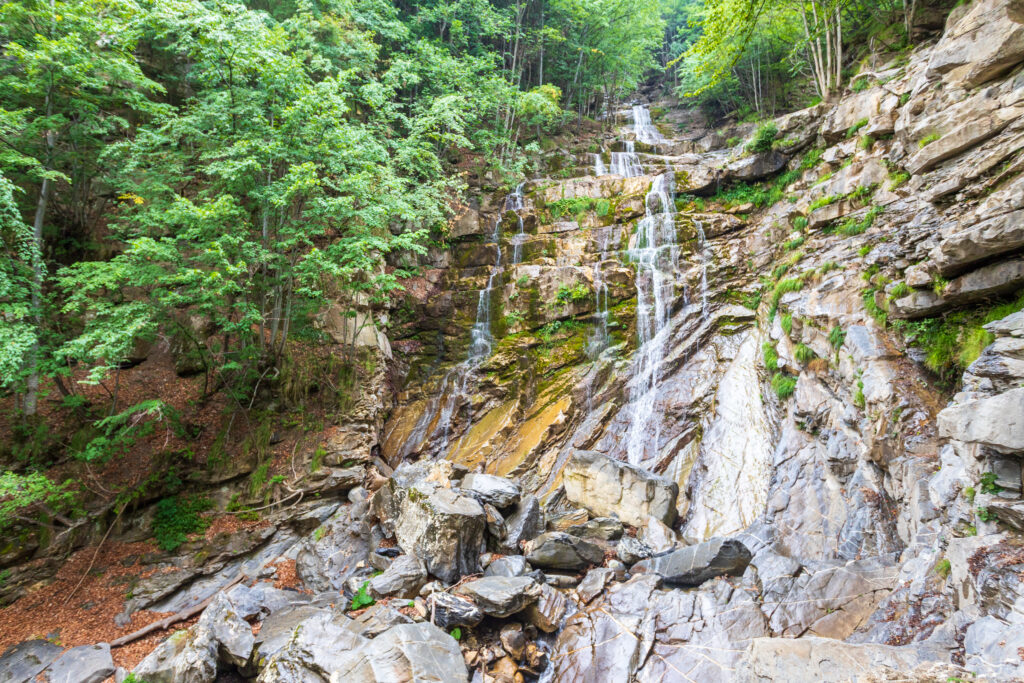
(559, 550)
(410, 652)
(549, 609)
(449, 611)
(593, 583)
(600, 529)
(498, 491)
(501, 596)
(693, 565)
(606, 487)
(511, 565)
(402, 579)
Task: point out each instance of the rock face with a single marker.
(606, 487)
(413, 652)
(997, 422)
(696, 564)
(85, 664)
(981, 44)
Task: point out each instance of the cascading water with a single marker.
(599, 167)
(645, 131)
(514, 203)
(627, 164)
(702, 251)
(599, 337)
(656, 255)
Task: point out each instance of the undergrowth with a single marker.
(178, 517)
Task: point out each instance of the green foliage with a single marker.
(858, 395)
(782, 287)
(33, 498)
(822, 202)
(943, 567)
(176, 518)
(771, 356)
(578, 292)
(787, 323)
(794, 243)
(763, 139)
(866, 142)
(362, 597)
(836, 337)
(969, 494)
(456, 633)
(852, 227)
(928, 139)
(800, 223)
(784, 385)
(899, 290)
(804, 353)
(865, 250)
(984, 514)
(855, 128)
(860, 84)
(987, 482)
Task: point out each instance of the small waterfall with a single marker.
(599, 167)
(627, 164)
(702, 251)
(599, 337)
(642, 126)
(656, 255)
(514, 202)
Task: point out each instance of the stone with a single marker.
(997, 421)
(82, 664)
(22, 662)
(511, 565)
(608, 487)
(757, 166)
(984, 42)
(375, 620)
(314, 649)
(600, 529)
(976, 285)
(525, 523)
(559, 550)
(513, 640)
(448, 611)
(658, 537)
(325, 560)
(549, 609)
(631, 550)
(824, 660)
(564, 520)
(593, 583)
(693, 565)
(972, 244)
(409, 652)
(402, 579)
(501, 596)
(498, 491)
(992, 649)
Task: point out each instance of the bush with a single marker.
(763, 138)
(178, 517)
(771, 356)
(804, 353)
(836, 337)
(784, 385)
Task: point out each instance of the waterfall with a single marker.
(514, 203)
(627, 164)
(656, 255)
(642, 126)
(599, 167)
(598, 341)
(702, 252)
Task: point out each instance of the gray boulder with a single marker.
(695, 564)
(23, 661)
(82, 664)
(498, 491)
(511, 565)
(549, 609)
(600, 529)
(524, 524)
(330, 557)
(402, 579)
(608, 487)
(559, 550)
(996, 422)
(315, 649)
(631, 550)
(410, 652)
(448, 611)
(501, 596)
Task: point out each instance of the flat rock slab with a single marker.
(608, 487)
(23, 661)
(410, 652)
(501, 596)
(498, 491)
(695, 564)
(559, 550)
(83, 664)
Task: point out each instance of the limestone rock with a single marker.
(449, 611)
(693, 565)
(997, 421)
(403, 578)
(549, 609)
(498, 491)
(630, 550)
(410, 652)
(23, 661)
(983, 43)
(501, 596)
(609, 487)
(559, 550)
(82, 664)
(600, 529)
(960, 250)
(976, 285)
(511, 565)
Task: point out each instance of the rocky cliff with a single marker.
(717, 414)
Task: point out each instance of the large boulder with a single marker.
(559, 550)
(441, 525)
(337, 551)
(524, 524)
(403, 578)
(695, 564)
(984, 42)
(608, 487)
(448, 611)
(498, 491)
(410, 652)
(316, 648)
(23, 661)
(977, 285)
(501, 596)
(82, 664)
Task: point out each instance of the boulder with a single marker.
(315, 649)
(403, 578)
(608, 487)
(376, 619)
(82, 664)
(524, 524)
(693, 565)
(410, 652)
(757, 166)
(997, 421)
(498, 491)
(600, 529)
(511, 565)
(328, 558)
(22, 662)
(501, 596)
(630, 550)
(559, 550)
(593, 583)
(549, 609)
(976, 285)
(448, 611)
(985, 41)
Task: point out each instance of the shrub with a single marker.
(866, 249)
(853, 130)
(866, 142)
(858, 396)
(763, 138)
(836, 337)
(771, 356)
(804, 353)
(784, 385)
(178, 517)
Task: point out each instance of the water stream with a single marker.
(599, 167)
(656, 254)
(645, 131)
(627, 164)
